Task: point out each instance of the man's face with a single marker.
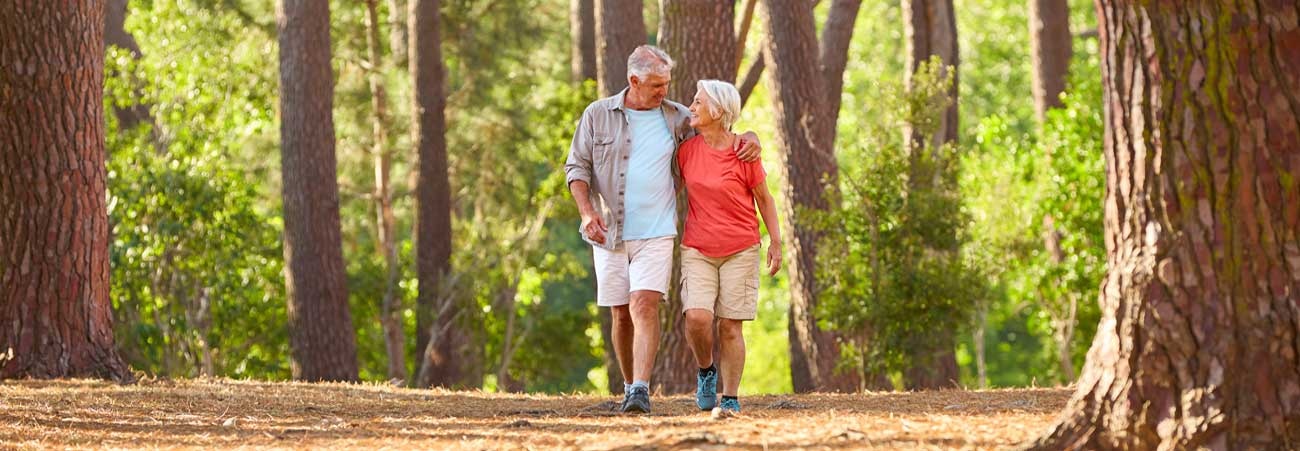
(652, 89)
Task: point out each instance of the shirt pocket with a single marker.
(603, 149)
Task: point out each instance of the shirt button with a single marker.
(624, 157)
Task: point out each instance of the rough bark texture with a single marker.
(684, 29)
(320, 322)
(805, 139)
(931, 30)
(1049, 44)
(1199, 338)
(55, 313)
(443, 365)
(390, 307)
(582, 40)
(700, 36)
(620, 28)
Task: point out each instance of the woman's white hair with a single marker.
(648, 59)
(724, 101)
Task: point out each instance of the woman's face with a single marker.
(701, 110)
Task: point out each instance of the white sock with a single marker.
(642, 384)
(627, 388)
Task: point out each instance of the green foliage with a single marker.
(891, 269)
(195, 251)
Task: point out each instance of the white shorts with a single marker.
(634, 265)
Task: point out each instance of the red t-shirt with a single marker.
(722, 219)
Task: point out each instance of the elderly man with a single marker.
(622, 175)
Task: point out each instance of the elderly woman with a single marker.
(721, 246)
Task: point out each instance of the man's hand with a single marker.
(773, 258)
(593, 225)
(749, 148)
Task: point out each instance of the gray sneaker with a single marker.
(638, 400)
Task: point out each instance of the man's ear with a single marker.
(632, 80)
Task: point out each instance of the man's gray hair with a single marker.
(648, 59)
(724, 101)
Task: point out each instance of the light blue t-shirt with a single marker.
(650, 204)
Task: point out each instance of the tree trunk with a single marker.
(805, 139)
(683, 26)
(836, 35)
(320, 324)
(931, 30)
(56, 319)
(1199, 340)
(700, 36)
(1049, 49)
(397, 36)
(437, 312)
(390, 307)
(620, 28)
(582, 40)
(115, 34)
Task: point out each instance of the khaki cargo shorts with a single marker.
(726, 286)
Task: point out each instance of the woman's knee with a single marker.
(699, 319)
(730, 329)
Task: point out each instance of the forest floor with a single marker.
(219, 413)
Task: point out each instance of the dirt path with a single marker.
(235, 414)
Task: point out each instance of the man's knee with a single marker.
(620, 314)
(645, 304)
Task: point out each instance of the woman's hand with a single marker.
(773, 257)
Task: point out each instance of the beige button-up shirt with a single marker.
(599, 156)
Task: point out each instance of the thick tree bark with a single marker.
(1199, 340)
(582, 40)
(442, 363)
(700, 36)
(931, 30)
(390, 307)
(56, 319)
(805, 140)
(1049, 44)
(320, 323)
(620, 28)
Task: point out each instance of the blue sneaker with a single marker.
(706, 391)
(729, 408)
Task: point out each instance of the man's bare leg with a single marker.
(645, 344)
(621, 332)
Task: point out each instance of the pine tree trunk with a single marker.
(397, 35)
(1199, 340)
(698, 35)
(836, 35)
(56, 319)
(320, 323)
(115, 34)
(1049, 44)
(390, 307)
(620, 28)
(805, 139)
(931, 30)
(582, 40)
(442, 363)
